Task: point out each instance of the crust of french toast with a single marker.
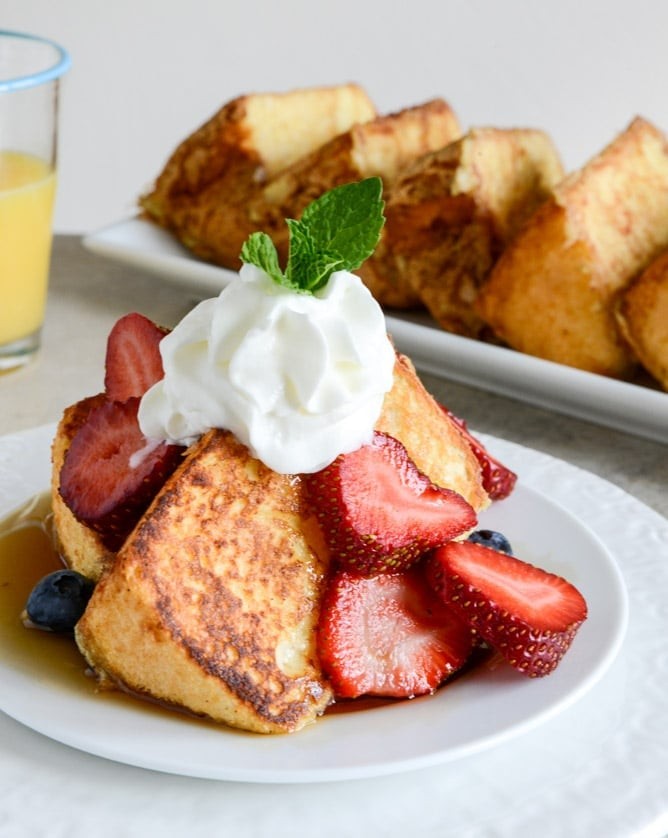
(642, 316)
(381, 147)
(433, 441)
(450, 215)
(554, 289)
(202, 193)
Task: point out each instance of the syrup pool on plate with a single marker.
(26, 555)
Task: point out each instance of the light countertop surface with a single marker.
(52, 790)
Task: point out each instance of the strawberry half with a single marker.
(111, 473)
(379, 512)
(388, 635)
(528, 615)
(497, 480)
(133, 362)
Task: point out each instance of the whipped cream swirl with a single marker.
(298, 378)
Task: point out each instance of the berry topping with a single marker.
(388, 635)
(58, 600)
(133, 362)
(111, 472)
(497, 480)
(528, 615)
(379, 512)
(493, 539)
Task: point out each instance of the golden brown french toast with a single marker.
(201, 195)
(212, 602)
(81, 547)
(553, 291)
(433, 441)
(450, 215)
(380, 147)
(642, 316)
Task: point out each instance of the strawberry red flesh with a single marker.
(133, 362)
(388, 635)
(530, 616)
(111, 473)
(497, 480)
(379, 512)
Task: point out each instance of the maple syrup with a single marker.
(26, 555)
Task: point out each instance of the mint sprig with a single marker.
(337, 232)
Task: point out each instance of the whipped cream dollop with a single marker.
(299, 378)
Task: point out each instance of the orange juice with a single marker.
(27, 191)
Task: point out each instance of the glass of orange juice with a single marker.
(30, 71)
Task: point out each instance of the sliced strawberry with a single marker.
(528, 615)
(379, 512)
(111, 473)
(133, 361)
(497, 480)
(388, 635)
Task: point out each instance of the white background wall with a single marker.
(147, 72)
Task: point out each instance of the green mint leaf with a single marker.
(338, 231)
(259, 250)
(308, 267)
(347, 220)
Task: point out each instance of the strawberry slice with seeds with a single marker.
(530, 616)
(379, 512)
(111, 472)
(497, 480)
(133, 362)
(388, 635)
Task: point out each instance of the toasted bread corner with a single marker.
(202, 194)
(642, 317)
(451, 214)
(554, 289)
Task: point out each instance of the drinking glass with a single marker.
(30, 71)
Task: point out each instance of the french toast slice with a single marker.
(642, 317)
(553, 291)
(432, 439)
(201, 195)
(451, 213)
(213, 601)
(80, 547)
(382, 147)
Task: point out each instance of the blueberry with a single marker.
(58, 600)
(492, 538)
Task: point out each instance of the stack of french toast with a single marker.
(484, 229)
(211, 600)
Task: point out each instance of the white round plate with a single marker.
(483, 708)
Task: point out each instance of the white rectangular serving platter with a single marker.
(625, 406)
